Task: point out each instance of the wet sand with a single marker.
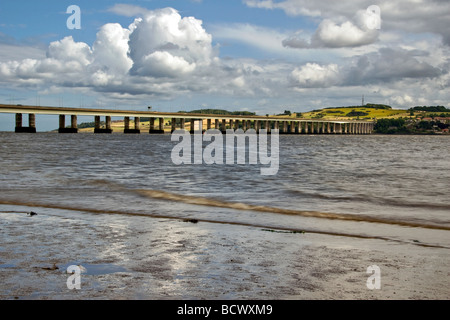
(154, 258)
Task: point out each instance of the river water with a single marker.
(394, 188)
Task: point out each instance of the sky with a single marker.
(264, 56)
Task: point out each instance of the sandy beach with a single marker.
(151, 258)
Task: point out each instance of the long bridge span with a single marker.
(194, 121)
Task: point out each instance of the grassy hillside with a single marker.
(369, 111)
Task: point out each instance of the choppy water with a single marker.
(389, 187)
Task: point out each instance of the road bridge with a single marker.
(285, 125)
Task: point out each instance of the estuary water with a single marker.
(390, 188)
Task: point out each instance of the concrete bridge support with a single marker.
(62, 124)
(153, 129)
(191, 130)
(98, 128)
(285, 127)
(137, 126)
(31, 124)
(267, 126)
(152, 125)
(257, 125)
(236, 124)
(223, 126)
(292, 127)
(173, 124)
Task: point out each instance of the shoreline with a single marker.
(160, 259)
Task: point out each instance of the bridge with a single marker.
(285, 125)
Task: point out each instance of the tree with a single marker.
(390, 126)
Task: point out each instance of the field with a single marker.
(365, 113)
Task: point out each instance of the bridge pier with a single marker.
(196, 126)
(257, 125)
(174, 124)
(160, 130)
(292, 127)
(31, 124)
(267, 126)
(192, 128)
(223, 126)
(285, 127)
(99, 129)
(236, 124)
(62, 124)
(137, 126)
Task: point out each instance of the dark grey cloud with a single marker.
(388, 65)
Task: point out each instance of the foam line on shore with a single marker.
(163, 195)
(254, 225)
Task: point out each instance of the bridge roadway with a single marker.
(178, 121)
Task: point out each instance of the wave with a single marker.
(263, 227)
(157, 194)
(211, 202)
(374, 200)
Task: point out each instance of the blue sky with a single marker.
(264, 56)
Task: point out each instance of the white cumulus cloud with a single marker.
(111, 49)
(164, 36)
(313, 75)
(69, 50)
